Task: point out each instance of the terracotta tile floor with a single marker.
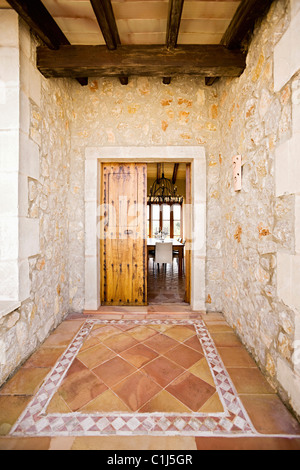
(165, 285)
(178, 381)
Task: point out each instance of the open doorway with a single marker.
(167, 232)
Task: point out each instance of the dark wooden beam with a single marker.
(159, 171)
(40, 21)
(157, 61)
(173, 26)
(175, 171)
(242, 25)
(243, 22)
(106, 20)
(42, 24)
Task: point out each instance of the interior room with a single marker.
(166, 224)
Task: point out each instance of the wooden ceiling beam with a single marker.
(157, 61)
(242, 25)
(159, 171)
(243, 22)
(175, 171)
(173, 26)
(107, 23)
(174, 20)
(35, 14)
(106, 20)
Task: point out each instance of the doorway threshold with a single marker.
(149, 311)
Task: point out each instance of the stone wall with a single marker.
(258, 223)
(41, 138)
(146, 113)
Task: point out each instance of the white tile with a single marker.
(297, 225)
(8, 194)
(24, 112)
(9, 242)
(287, 167)
(35, 83)
(287, 54)
(9, 280)
(29, 157)
(91, 228)
(29, 238)
(8, 306)
(91, 167)
(9, 31)
(23, 195)
(91, 283)
(296, 106)
(9, 66)
(295, 7)
(290, 382)
(9, 151)
(288, 279)
(9, 109)
(24, 280)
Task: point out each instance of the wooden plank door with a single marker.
(124, 234)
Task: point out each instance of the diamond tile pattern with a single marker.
(137, 377)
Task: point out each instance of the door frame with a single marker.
(94, 157)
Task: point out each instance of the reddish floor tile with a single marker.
(194, 343)
(191, 390)
(162, 371)
(136, 390)
(120, 342)
(184, 356)
(113, 371)
(236, 357)
(249, 380)
(269, 415)
(161, 343)
(247, 443)
(95, 356)
(25, 381)
(139, 355)
(80, 386)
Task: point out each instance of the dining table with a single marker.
(178, 247)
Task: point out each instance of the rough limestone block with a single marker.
(287, 54)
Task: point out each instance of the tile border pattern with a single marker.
(34, 421)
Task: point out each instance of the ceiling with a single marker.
(143, 21)
(121, 38)
(152, 170)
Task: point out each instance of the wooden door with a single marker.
(124, 234)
